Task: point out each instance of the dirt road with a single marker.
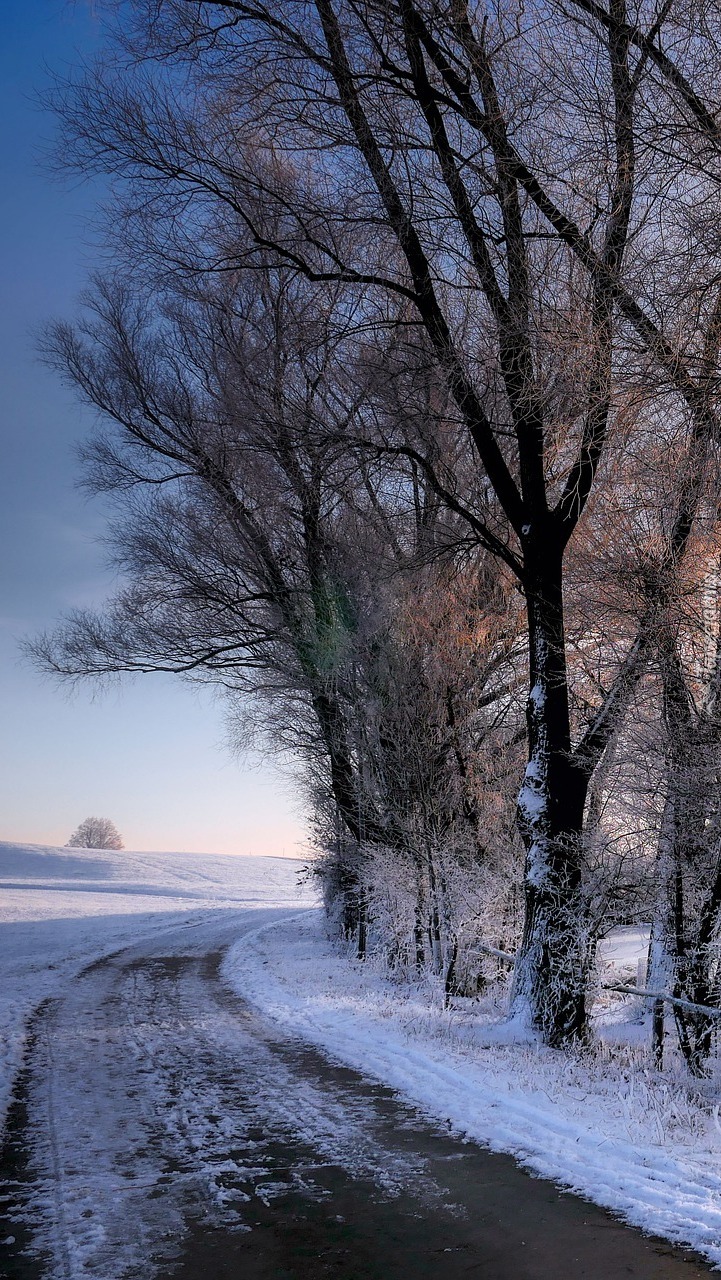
(164, 1129)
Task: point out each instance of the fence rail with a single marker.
(712, 1011)
(493, 951)
(659, 999)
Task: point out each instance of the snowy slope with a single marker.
(62, 908)
(627, 1139)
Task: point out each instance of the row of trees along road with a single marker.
(409, 375)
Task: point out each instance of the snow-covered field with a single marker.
(60, 909)
(635, 1142)
(629, 1140)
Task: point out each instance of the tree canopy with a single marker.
(96, 833)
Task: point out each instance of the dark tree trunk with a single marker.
(683, 847)
(657, 1034)
(435, 936)
(419, 949)
(362, 927)
(450, 986)
(553, 960)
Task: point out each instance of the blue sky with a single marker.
(149, 755)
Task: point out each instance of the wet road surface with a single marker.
(163, 1128)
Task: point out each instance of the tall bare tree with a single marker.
(258, 552)
(536, 187)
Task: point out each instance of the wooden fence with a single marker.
(659, 998)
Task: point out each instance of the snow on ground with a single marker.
(625, 948)
(625, 1138)
(633, 1141)
(60, 909)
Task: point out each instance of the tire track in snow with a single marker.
(197, 1138)
(166, 1103)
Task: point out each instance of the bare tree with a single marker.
(536, 189)
(254, 548)
(510, 200)
(687, 928)
(436, 713)
(96, 833)
(268, 552)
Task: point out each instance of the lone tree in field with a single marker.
(96, 833)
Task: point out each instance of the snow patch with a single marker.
(605, 1134)
(61, 909)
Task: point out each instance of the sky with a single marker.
(150, 755)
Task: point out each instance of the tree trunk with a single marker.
(362, 927)
(419, 949)
(657, 1034)
(434, 924)
(683, 846)
(553, 960)
(702, 965)
(450, 986)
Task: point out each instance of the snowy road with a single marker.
(165, 1128)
